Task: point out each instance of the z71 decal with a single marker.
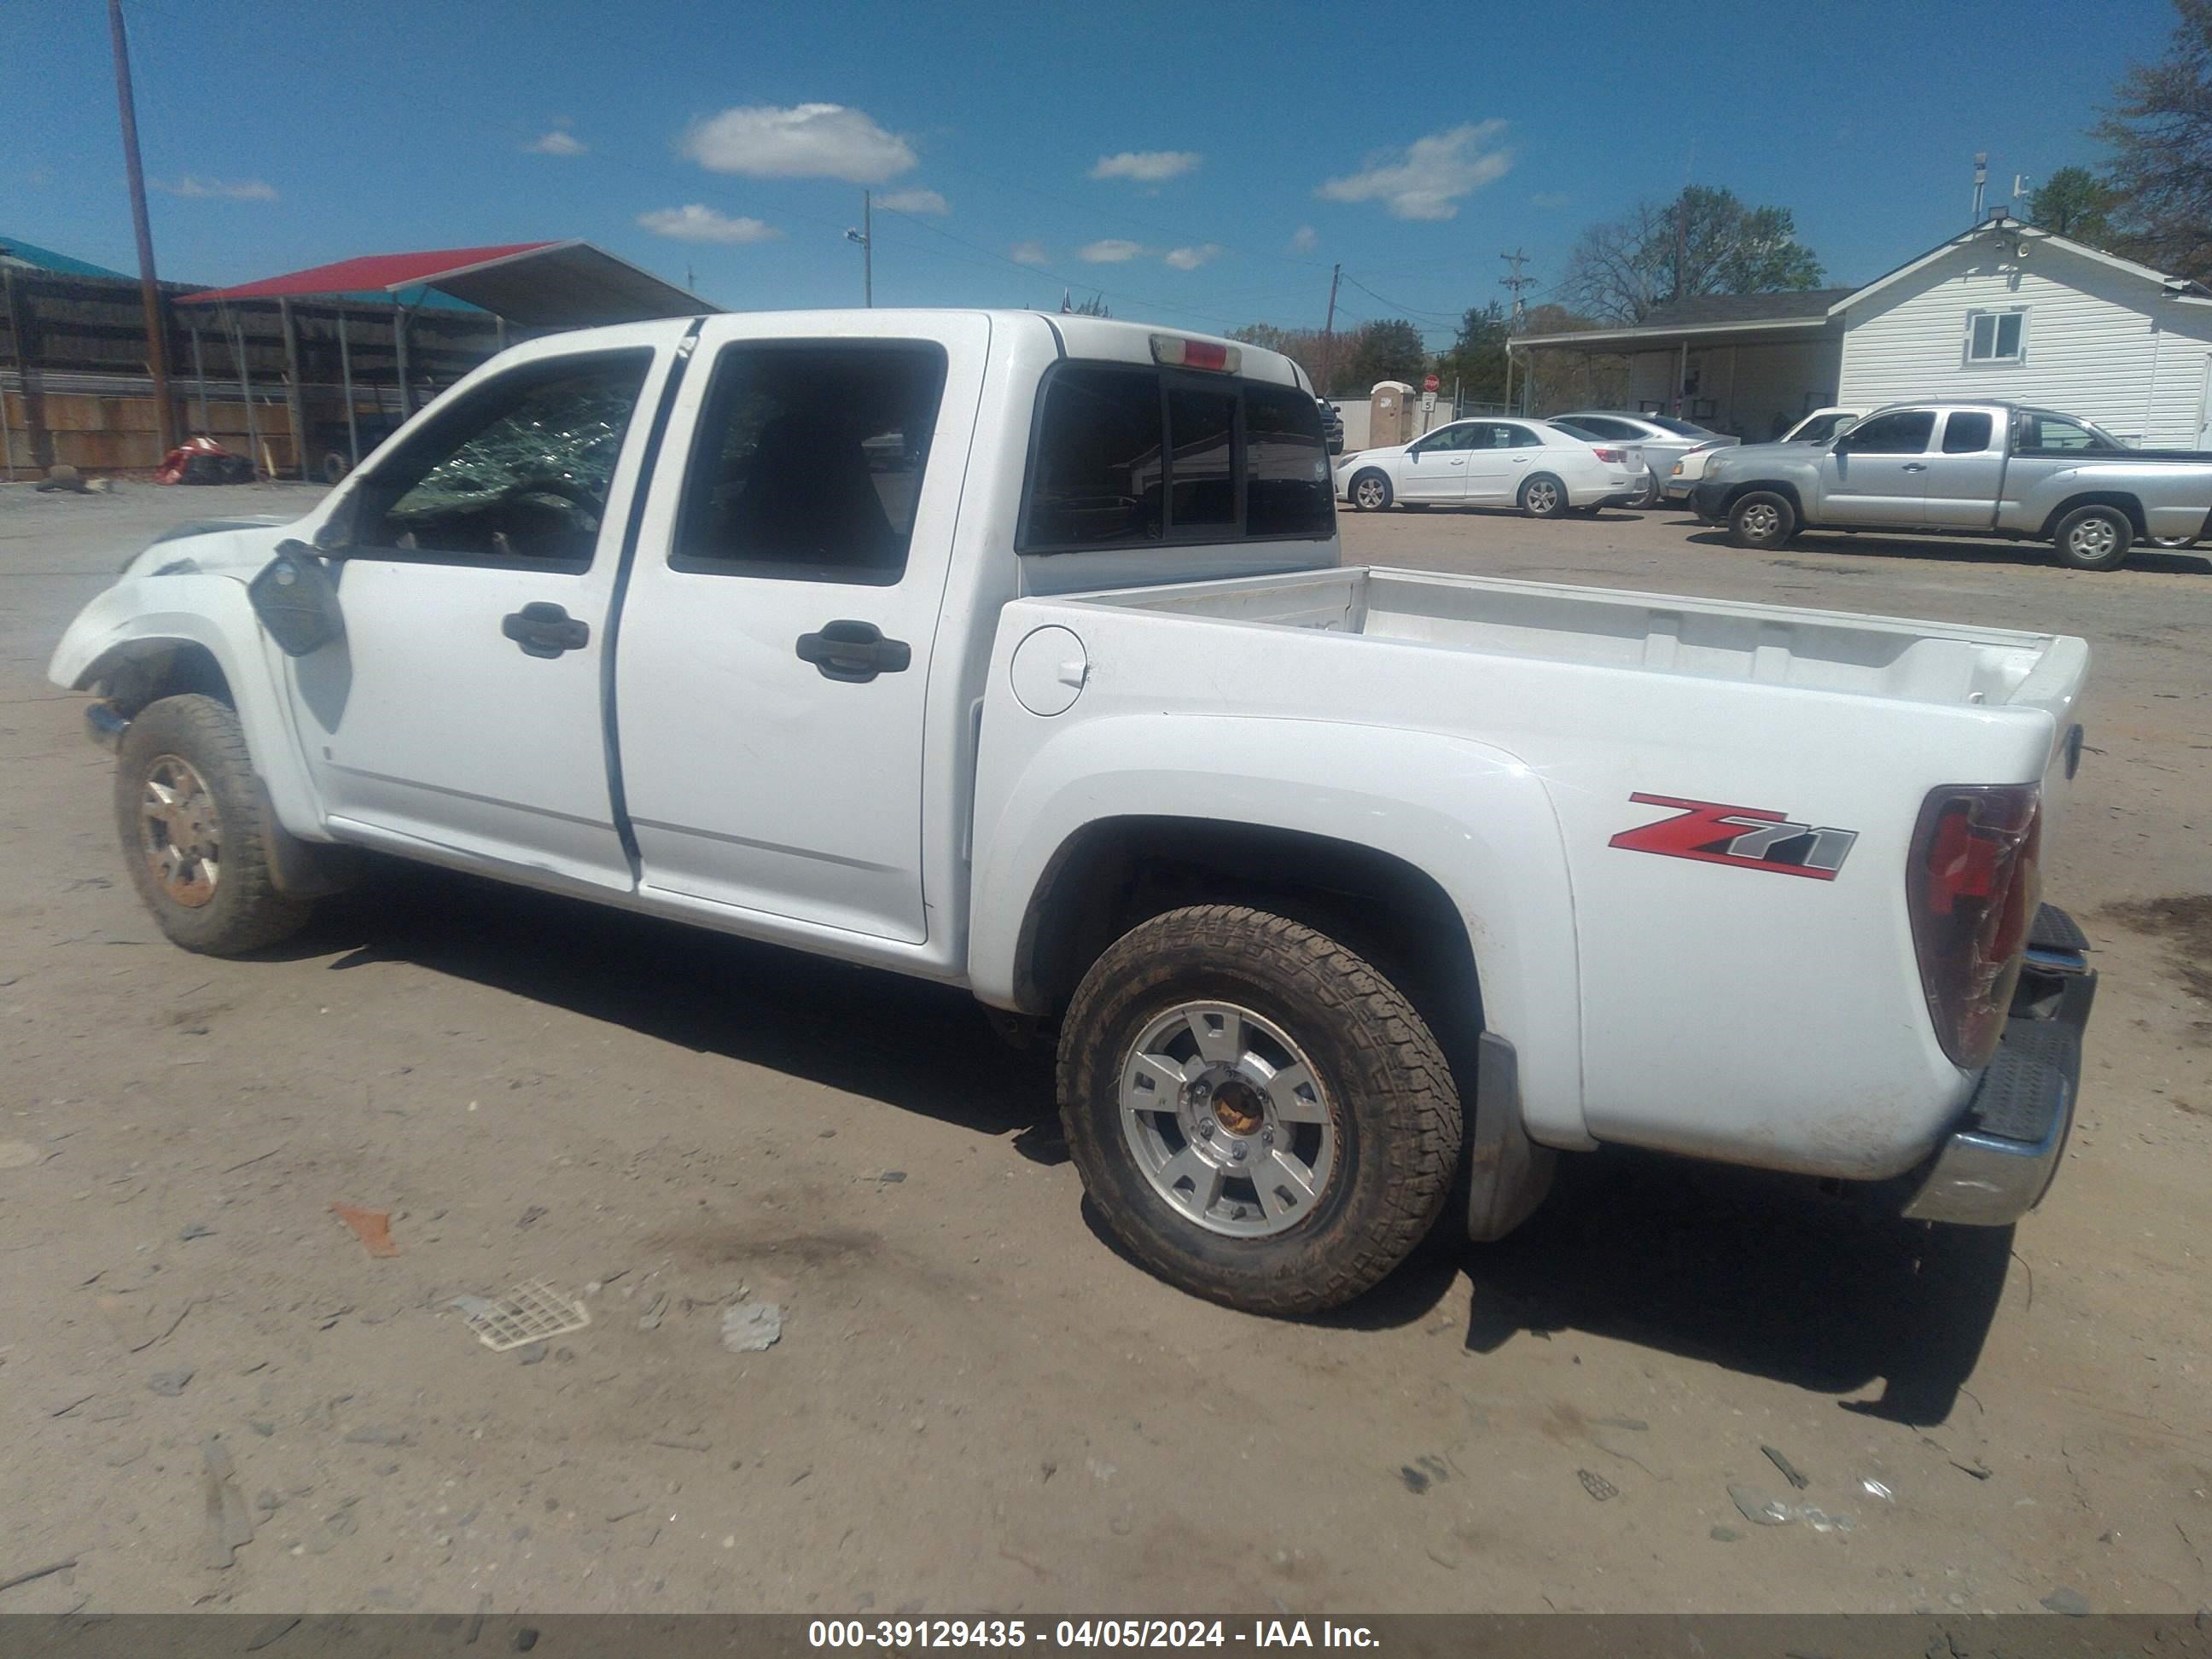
(1741, 835)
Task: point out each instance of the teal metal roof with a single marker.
(15, 252)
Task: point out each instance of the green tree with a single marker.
(1706, 241)
(2159, 131)
(2074, 203)
(1380, 350)
(1476, 363)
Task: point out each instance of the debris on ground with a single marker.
(1759, 1509)
(891, 1177)
(371, 1227)
(1873, 1488)
(1724, 1534)
(651, 1318)
(46, 1571)
(63, 479)
(1790, 1471)
(230, 1524)
(532, 1353)
(379, 1434)
(1596, 1484)
(2065, 1600)
(531, 1312)
(1979, 1469)
(170, 1383)
(752, 1327)
(535, 1213)
(193, 1229)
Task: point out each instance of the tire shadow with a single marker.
(1870, 545)
(1757, 1273)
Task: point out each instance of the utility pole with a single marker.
(1519, 321)
(149, 294)
(866, 236)
(1328, 331)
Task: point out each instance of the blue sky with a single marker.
(1257, 143)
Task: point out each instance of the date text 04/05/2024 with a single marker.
(896, 1634)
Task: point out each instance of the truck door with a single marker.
(1877, 472)
(474, 561)
(1966, 469)
(771, 676)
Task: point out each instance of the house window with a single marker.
(1995, 337)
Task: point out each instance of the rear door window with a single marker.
(1124, 456)
(808, 460)
(1967, 432)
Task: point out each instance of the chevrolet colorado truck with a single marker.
(1979, 469)
(1013, 652)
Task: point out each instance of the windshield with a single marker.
(1819, 428)
(1680, 428)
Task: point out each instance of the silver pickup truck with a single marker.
(1965, 468)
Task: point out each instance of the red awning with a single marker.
(569, 284)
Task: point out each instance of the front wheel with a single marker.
(2093, 538)
(195, 830)
(1543, 497)
(1761, 520)
(1371, 492)
(1262, 1119)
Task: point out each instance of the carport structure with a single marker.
(1748, 364)
(539, 286)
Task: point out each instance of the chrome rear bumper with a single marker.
(1998, 1164)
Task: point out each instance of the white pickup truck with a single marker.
(1012, 651)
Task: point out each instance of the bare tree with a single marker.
(1705, 241)
(2160, 134)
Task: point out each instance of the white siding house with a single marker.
(2007, 312)
(2003, 311)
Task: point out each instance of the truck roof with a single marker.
(1106, 338)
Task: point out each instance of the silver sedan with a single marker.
(1660, 439)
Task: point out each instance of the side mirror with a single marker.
(296, 600)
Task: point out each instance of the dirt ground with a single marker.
(976, 1404)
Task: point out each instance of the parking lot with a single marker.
(976, 1403)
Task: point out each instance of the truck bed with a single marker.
(1708, 639)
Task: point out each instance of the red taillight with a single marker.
(1610, 457)
(1176, 352)
(1972, 887)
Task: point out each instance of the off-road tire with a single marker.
(1761, 520)
(1394, 1107)
(2110, 550)
(245, 912)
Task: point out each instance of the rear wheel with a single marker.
(2093, 538)
(1261, 1118)
(194, 829)
(1761, 520)
(1371, 491)
(1543, 496)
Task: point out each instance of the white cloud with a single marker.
(914, 201)
(1148, 167)
(697, 223)
(1114, 250)
(808, 141)
(1029, 253)
(1190, 258)
(238, 190)
(557, 143)
(1424, 180)
(1302, 239)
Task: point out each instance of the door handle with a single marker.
(1459, 463)
(855, 652)
(1916, 466)
(545, 630)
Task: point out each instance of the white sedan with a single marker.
(1493, 463)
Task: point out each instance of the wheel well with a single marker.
(1764, 487)
(2127, 504)
(138, 673)
(1116, 874)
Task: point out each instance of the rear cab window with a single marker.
(1132, 455)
